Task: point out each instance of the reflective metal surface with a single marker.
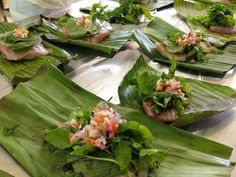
(102, 76)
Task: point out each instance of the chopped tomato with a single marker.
(99, 120)
(90, 140)
(97, 110)
(114, 127)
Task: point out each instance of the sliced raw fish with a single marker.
(98, 37)
(223, 30)
(36, 51)
(169, 115)
(161, 48)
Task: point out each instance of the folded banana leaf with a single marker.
(38, 107)
(4, 174)
(110, 45)
(158, 30)
(206, 99)
(190, 9)
(18, 71)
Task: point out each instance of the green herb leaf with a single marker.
(136, 131)
(150, 158)
(83, 150)
(95, 168)
(81, 115)
(123, 154)
(58, 137)
(22, 46)
(146, 82)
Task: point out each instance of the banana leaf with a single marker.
(39, 106)
(190, 9)
(206, 99)
(18, 71)
(158, 30)
(110, 45)
(4, 174)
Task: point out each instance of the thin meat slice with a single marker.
(169, 115)
(225, 1)
(206, 47)
(98, 37)
(223, 30)
(161, 48)
(36, 51)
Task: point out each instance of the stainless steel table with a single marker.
(101, 75)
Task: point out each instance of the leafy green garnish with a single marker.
(73, 29)
(19, 45)
(82, 115)
(194, 52)
(98, 11)
(146, 83)
(218, 15)
(58, 137)
(128, 12)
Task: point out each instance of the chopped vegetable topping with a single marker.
(189, 39)
(103, 124)
(20, 32)
(170, 86)
(192, 45)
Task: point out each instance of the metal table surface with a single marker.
(102, 76)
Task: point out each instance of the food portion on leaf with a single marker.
(219, 19)
(23, 52)
(164, 98)
(85, 31)
(189, 47)
(19, 44)
(103, 136)
(84, 28)
(201, 56)
(128, 12)
(172, 99)
(215, 20)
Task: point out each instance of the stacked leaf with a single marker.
(109, 46)
(17, 71)
(38, 107)
(158, 30)
(189, 10)
(206, 99)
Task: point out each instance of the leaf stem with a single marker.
(129, 173)
(102, 159)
